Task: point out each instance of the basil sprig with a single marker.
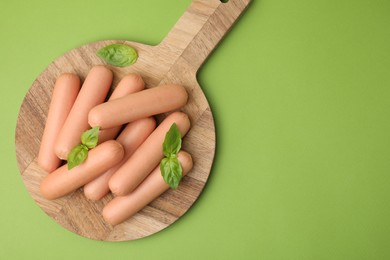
(120, 55)
(79, 153)
(170, 166)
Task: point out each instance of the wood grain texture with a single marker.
(175, 60)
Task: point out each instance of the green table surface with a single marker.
(300, 91)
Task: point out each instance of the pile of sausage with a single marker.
(126, 164)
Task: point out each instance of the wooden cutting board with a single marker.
(175, 60)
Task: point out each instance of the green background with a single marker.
(300, 91)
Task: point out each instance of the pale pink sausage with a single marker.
(142, 104)
(123, 207)
(131, 83)
(64, 95)
(132, 136)
(63, 181)
(92, 93)
(147, 156)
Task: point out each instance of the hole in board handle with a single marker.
(224, 1)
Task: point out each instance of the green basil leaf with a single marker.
(171, 171)
(172, 142)
(120, 55)
(90, 137)
(77, 155)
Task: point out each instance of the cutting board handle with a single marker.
(201, 28)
